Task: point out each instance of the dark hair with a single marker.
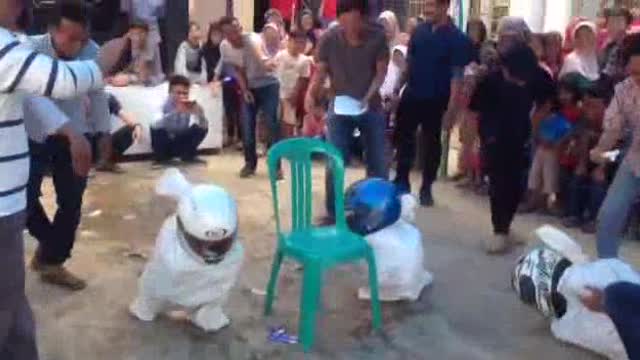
(227, 20)
(178, 80)
(74, 11)
(600, 89)
(481, 25)
(214, 26)
(619, 12)
(520, 61)
(361, 6)
(630, 47)
(575, 83)
(139, 24)
(272, 12)
(444, 2)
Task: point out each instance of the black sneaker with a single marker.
(426, 198)
(247, 172)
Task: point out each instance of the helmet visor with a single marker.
(212, 252)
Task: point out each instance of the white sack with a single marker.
(399, 258)
(176, 278)
(582, 327)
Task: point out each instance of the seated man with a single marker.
(108, 148)
(182, 127)
(146, 66)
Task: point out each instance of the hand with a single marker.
(598, 157)
(248, 97)
(216, 88)
(112, 54)
(80, 150)
(137, 133)
(593, 300)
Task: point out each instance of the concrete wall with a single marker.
(206, 11)
(544, 15)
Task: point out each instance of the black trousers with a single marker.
(507, 166)
(56, 237)
(231, 102)
(184, 145)
(426, 113)
(121, 141)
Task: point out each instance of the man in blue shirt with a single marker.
(438, 53)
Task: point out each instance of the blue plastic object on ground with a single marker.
(279, 335)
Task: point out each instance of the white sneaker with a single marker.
(496, 244)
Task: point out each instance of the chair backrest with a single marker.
(298, 152)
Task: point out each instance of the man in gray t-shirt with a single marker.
(354, 55)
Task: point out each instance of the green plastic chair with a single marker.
(316, 248)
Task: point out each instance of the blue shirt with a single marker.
(435, 56)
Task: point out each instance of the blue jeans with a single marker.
(622, 304)
(267, 99)
(614, 212)
(372, 136)
(585, 195)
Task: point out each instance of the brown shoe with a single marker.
(59, 275)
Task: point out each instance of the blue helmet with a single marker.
(371, 205)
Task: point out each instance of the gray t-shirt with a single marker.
(352, 69)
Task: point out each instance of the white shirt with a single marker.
(289, 70)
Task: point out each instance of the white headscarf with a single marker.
(393, 74)
(584, 62)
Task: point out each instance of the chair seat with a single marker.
(326, 244)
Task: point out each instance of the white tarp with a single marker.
(145, 104)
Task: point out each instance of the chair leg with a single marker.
(273, 281)
(309, 301)
(373, 285)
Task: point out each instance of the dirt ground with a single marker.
(470, 312)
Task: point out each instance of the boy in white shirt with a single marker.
(293, 69)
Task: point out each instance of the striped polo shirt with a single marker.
(24, 71)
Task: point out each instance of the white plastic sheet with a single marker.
(400, 258)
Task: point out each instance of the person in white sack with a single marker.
(196, 259)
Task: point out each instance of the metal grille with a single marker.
(416, 7)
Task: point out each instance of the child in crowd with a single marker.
(315, 121)
(396, 67)
(211, 50)
(553, 52)
(588, 185)
(189, 61)
(146, 66)
(182, 127)
(293, 70)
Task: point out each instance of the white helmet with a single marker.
(207, 216)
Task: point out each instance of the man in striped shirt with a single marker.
(22, 72)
